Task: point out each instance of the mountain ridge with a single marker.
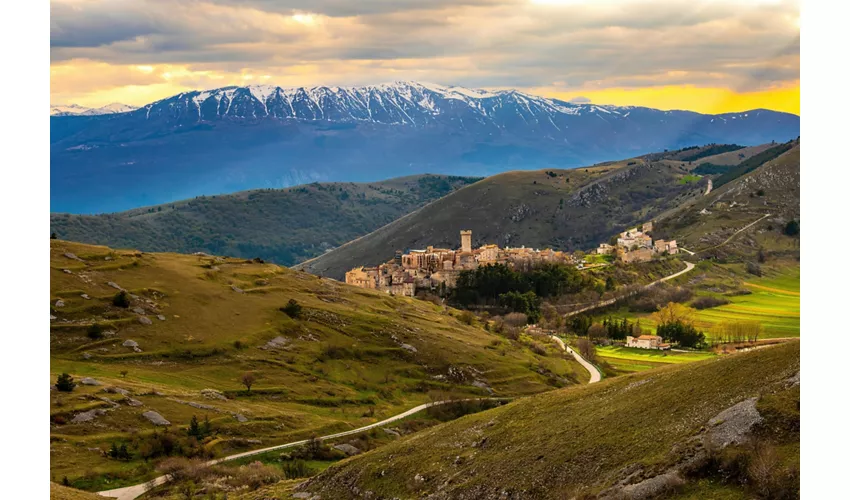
(237, 138)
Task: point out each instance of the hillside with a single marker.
(564, 209)
(284, 226)
(663, 432)
(261, 136)
(59, 492)
(194, 325)
(770, 194)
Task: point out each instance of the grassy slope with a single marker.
(344, 356)
(281, 225)
(574, 209)
(565, 443)
(59, 492)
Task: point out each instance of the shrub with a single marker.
(292, 309)
(597, 332)
(294, 469)
(792, 228)
(516, 319)
(538, 349)
(121, 299)
(708, 301)
(65, 383)
(95, 331)
(753, 268)
(466, 317)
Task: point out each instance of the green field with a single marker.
(628, 360)
(774, 301)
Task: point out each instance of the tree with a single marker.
(248, 380)
(792, 228)
(121, 299)
(65, 383)
(597, 332)
(53, 236)
(292, 309)
(95, 331)
(123, 373)
(194, 428)
(674, 313)
(609, 284)
(586, 349)
(683, 334)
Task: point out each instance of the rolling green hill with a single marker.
(684, 431)
(285, 226)
(194, 325)
(563, 209)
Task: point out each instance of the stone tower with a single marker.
(466, 241)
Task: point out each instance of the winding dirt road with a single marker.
(135, 491)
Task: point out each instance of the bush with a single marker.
(294, 469)
(65, 383)
(121, 299)
(95, 331)
(466, 318)
(792, 228)
(753, 268)
(292, 309)
(708, 301)
(538, 349)
(516, 319)
(597, 331)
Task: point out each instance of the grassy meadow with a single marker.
(575, 443)
(350, 358)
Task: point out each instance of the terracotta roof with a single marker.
(649, 337)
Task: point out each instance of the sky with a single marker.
(710, 56)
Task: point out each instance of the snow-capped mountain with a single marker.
(233, 138)
(76, 109)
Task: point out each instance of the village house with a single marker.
(647, 342)
(635, 245)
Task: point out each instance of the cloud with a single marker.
(580, 100)
(482, 43)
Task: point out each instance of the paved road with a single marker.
(595, 376)
(132, 492)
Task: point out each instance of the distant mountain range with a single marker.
(76, 109)
(235, 138)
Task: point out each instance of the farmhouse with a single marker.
(647, 342)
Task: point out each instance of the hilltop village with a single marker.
(636, 245)
(433, 268)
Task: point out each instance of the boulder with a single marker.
(87, 416)
(85, 296)
(52, 317)
(144, 320)
(239, 417)
(160, 317)
(114, 285)
(132, 402)
(67, 271)
(734, 424)
(155, 418)
(117, 390)
(408, 347)
(391, 432)
(59, 303)
(89, 381)
(347, 449)
(72, 256)
(86, 355)
(138, 310)
(130, 343)
(276, 343)
(213, 394)
(236, 289)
